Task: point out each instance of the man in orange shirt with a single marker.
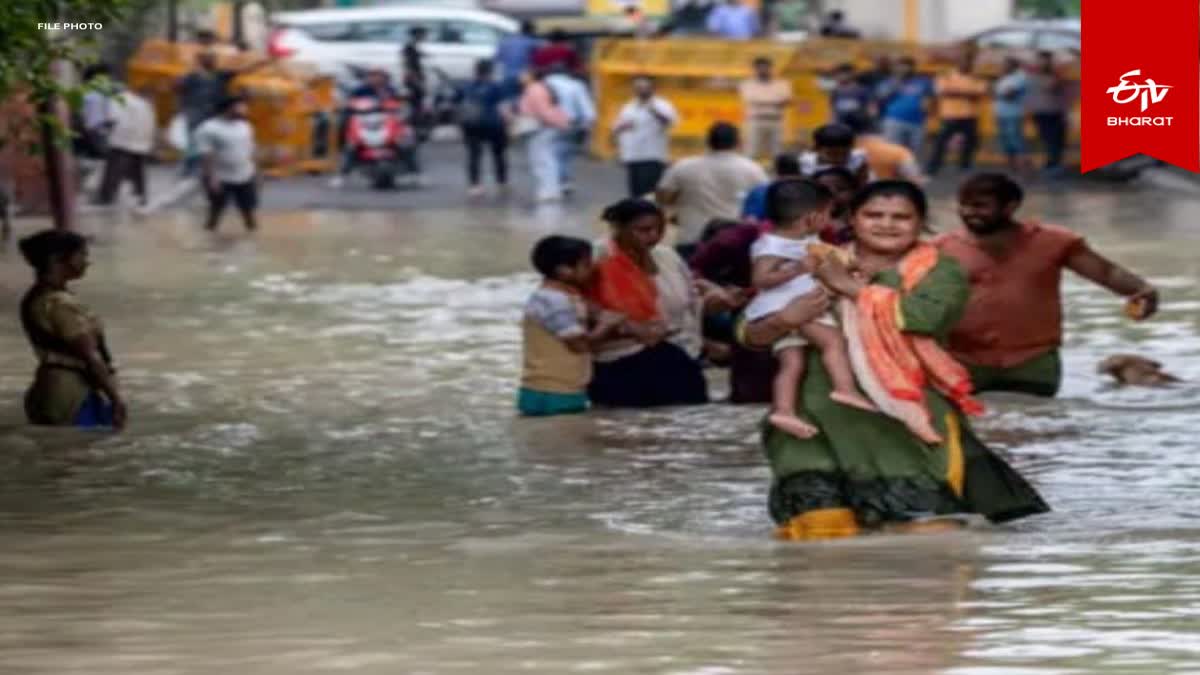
(1010, 334)
(959, 97)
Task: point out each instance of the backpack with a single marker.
(469, 111)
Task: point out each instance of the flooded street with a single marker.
(323, 473)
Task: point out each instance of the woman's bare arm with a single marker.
(607, 327)
(804, 309)
(87, 348)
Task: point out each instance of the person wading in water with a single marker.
(75, 383)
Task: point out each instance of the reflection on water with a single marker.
(323, 473)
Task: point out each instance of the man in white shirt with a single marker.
(130, 142)
(91, 128)
(576, 100)
(710, 186)
(643, 134)
(226, 147)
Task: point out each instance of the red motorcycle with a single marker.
(381, 140)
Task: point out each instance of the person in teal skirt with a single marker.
(865, 471)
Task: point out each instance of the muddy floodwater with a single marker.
(323, 474)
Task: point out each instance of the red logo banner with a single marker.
(1141, 82)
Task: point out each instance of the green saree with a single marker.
(866, 469)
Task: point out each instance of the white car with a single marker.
(337, 41)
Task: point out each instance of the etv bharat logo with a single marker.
(1149, 92)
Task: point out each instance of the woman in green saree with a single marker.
(867, 471)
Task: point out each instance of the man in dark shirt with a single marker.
(413, 61)
(835, 26)
(203, 89)
(848, 97)
(875, 78)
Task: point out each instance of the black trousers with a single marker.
(644, 176)
(244, 195)
(1052, 130)
(119, 165)
(969, 128)
(656, 376)
(494, 139)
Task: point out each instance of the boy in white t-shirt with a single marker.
(782, 272)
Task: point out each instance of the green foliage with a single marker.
(28, 50)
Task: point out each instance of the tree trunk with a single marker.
(59, 161)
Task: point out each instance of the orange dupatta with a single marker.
(905, 363)
(621, 286)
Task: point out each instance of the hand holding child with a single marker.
(607, 322)
(839, 276)
(649, 333)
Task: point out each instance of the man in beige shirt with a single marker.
(708, 186)
(765, 100)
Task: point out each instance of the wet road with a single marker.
(323, 474)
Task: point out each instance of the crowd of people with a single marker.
(117, 133)
(822, 293)
(817, 288)
(898, 101)
(534, 94)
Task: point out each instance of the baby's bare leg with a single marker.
(836, 357)
(791, 373)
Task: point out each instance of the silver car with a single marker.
(341, 41)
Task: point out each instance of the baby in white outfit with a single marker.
(782, 273)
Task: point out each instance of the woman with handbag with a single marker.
(539, 122)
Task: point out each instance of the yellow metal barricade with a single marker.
(290, 107)
(700, 78)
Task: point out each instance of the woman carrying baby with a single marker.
(870, 470)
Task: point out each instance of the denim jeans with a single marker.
(566, 150)
(909, 134)
(543, 163)
(1012, 135)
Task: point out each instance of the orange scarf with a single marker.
(903, 362)
(623, 287)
